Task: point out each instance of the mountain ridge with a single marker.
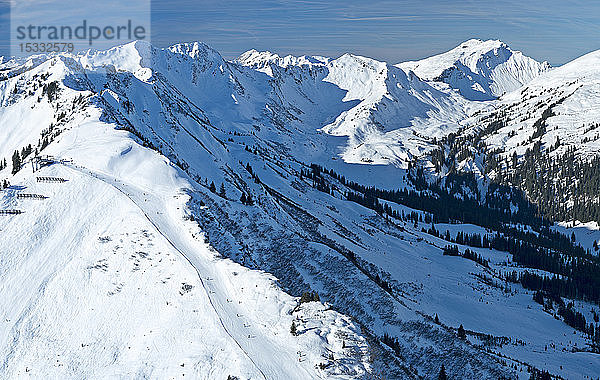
(479, 70)
(252, 175)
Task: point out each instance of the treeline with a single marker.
(452, 250)
(565, 187)
(318, 182)
(438, 199)
(543, 249)
(581, 270)
(462, 238)
(571, 317)
(574, 286)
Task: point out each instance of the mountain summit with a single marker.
(479, 70)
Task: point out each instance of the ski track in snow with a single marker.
(161, 224)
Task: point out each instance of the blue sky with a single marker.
(556, 31)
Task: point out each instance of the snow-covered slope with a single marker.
(556, 113)
(107, 276)
(162, 269)
(385, 111)
(572, 93)
(130, 297)
(479, 70)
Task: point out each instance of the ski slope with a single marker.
(270, 361)
(179, 310)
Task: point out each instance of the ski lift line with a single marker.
(207, 291)
(39, 162)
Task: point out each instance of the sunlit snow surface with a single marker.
(109, 277)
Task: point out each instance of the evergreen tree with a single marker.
(538, 297)
(461, 332)
(436, 319)
(442, 375)
(16, 159)
(212, 187)
(222, 191)
(306, 297)
(293, 329)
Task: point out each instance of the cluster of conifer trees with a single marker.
(577, 271)
(18, 158)
(570, 316)
(452, 250)
(564, 187)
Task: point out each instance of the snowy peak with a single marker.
(380, 104)
(142, 58)
(361, 77)
(262, 60)
(129, 57)
(479, 70)
(469, 53)
(196, 50)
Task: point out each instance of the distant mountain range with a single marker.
(168, 212)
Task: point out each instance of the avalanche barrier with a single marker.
(30, 196)
(10, 212)
(51, 179)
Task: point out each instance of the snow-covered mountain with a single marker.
(202, 197)
(571, 92)
(479, 70)
(385, 109)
